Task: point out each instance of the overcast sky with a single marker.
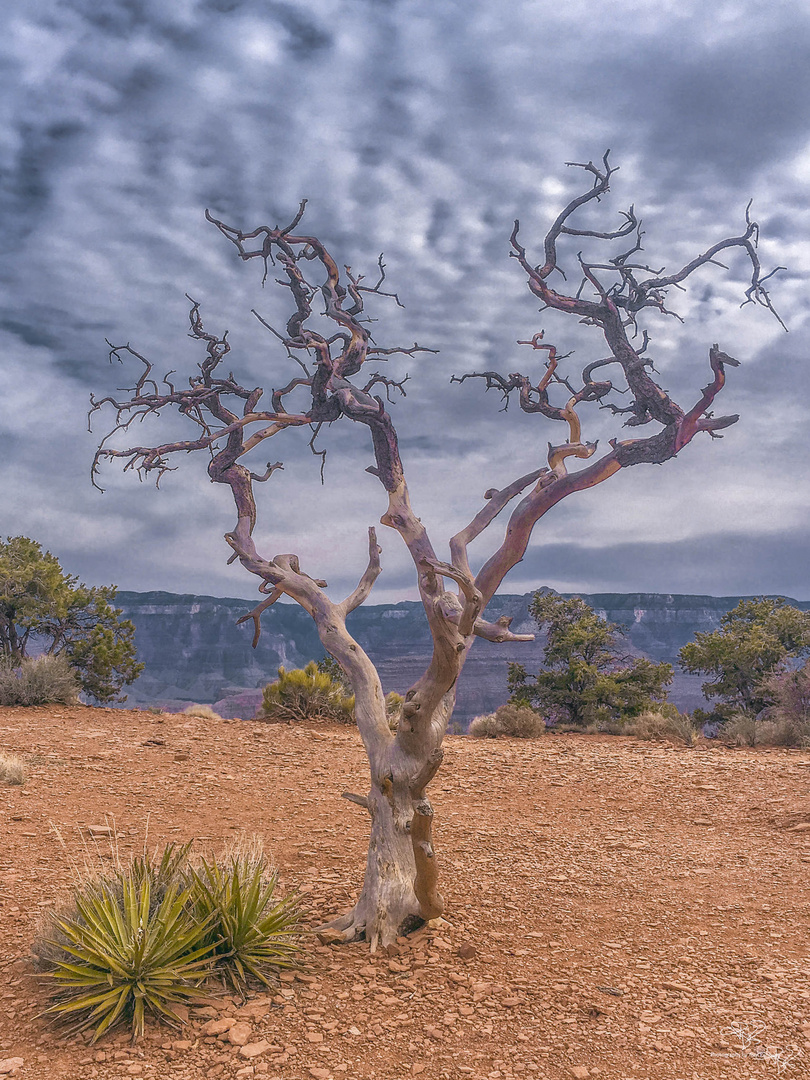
(420, 128)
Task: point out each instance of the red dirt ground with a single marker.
(637, 910)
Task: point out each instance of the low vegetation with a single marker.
(393, 708)
(514, 720)
(12, 769)
(252, 934)
(204, 712)
(669, 724)
(41, 680)
(317, 692)
(306, 694)
(745, 730)
(141, 938)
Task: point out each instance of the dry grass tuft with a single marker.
(39, 680)
(745, 730)
(514, 720)
(484, 727)
(204, 712)
(12, 769)
(655, 725)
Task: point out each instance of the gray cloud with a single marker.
(420, 129)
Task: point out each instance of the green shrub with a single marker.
(40, 680)
(306, 694)
(585, 678)
(514, 720)
(40, 602)
(140, 939)
(12, 769)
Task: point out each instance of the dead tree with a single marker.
(400, 886)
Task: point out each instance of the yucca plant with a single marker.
(121, 955)
(252, 934)
(164, 872)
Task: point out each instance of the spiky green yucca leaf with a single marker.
(122, 954)
(256, 933)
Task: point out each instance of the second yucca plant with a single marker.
(253, 934)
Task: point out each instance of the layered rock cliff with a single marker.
(194, 651)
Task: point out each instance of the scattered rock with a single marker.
(466, 951)
(255, 1049)
(239, 1033)
(10, 1065)
(579, 1072)
(329, 937)
(217, 1027)
(100, 830)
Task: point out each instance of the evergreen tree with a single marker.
(40, 603)
(585, 679)
(755, 641)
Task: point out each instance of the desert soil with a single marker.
(633, 910)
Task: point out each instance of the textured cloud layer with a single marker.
(423, 130)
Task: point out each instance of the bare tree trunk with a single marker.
(399, 890)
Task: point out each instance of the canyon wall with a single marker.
(194, 651)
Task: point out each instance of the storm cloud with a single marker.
(421, 130)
